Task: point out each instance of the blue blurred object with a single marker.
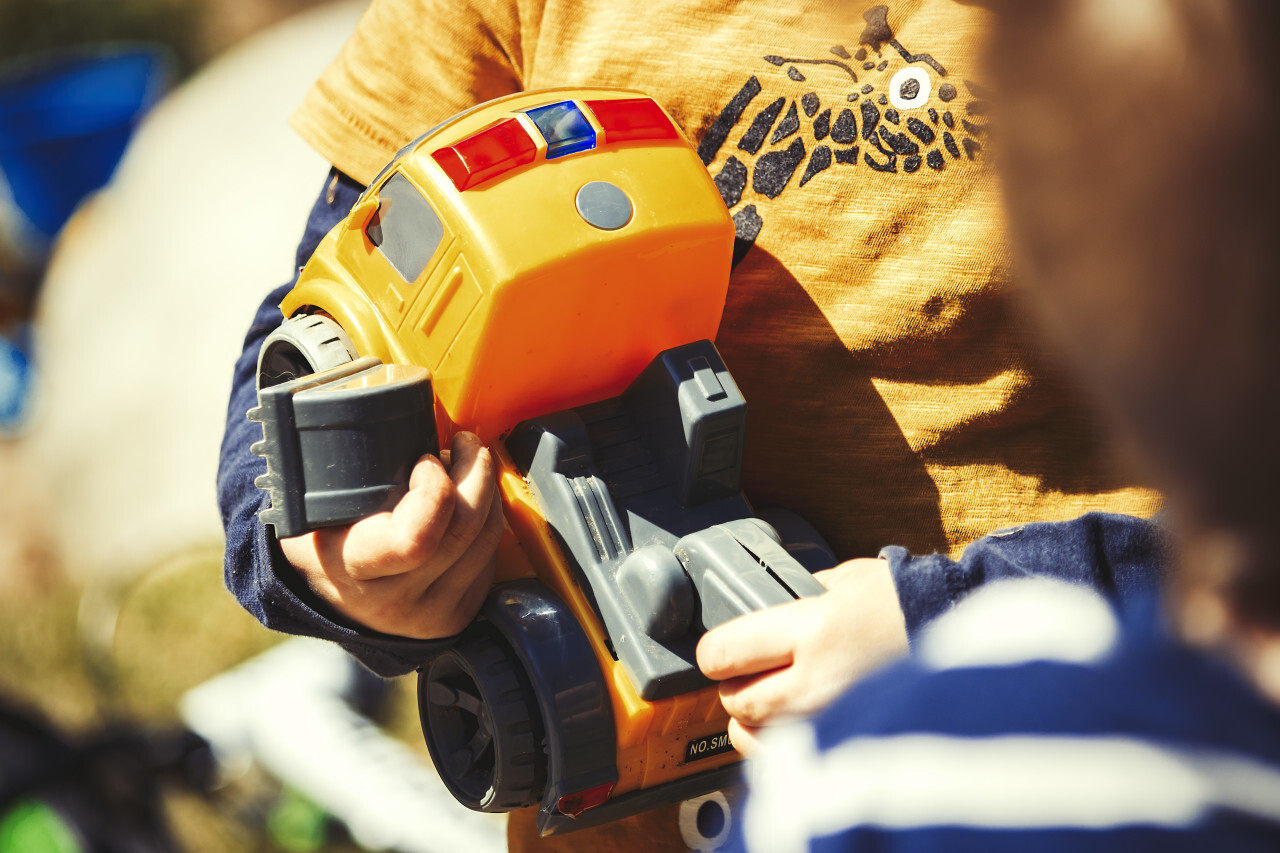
(17, 375)
(65, 120)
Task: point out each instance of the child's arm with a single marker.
(793, 660)
(419, 571)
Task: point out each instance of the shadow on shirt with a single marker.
(820, 440)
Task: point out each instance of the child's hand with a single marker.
(796, 658)
(422, 569)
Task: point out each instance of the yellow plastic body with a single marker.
(651, 736)
(525, 309)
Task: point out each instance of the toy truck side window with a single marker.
(405, 229)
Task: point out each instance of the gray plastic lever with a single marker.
(340, 444)
(737, 568)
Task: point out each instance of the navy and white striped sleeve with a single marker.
(1031, 717)
(1120, 556)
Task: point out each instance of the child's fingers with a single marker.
(753, 643)
(745, 739)
(474, 478)
(426, 604)
(452, 600)
(423, 468)
(434, 524)
(758, 699)
(400, 541)
(448, 583)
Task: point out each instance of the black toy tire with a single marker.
(300, 346)
(481, 722)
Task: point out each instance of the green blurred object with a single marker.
(33, 827)
(295, 823)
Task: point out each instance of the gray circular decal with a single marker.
(603, 205)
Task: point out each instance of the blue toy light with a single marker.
(565, 128)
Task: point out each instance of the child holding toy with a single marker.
(894, 399)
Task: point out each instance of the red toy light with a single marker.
(496, 149)
(632, 118)
(575, 804)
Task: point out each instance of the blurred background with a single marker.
(150, 194)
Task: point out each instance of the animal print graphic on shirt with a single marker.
(892, 111)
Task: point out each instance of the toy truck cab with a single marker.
(558, 261)
(533, 254)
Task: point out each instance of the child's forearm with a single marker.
(1113, 554)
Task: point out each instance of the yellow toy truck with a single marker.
(546, 270)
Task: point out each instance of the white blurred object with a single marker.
(286, 710)
(151, 290)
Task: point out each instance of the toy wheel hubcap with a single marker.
(481, 722)
(460, 714)
(300, 346)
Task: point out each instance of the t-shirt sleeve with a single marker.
(409, 65)
(1117, 555)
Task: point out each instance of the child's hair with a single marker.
(1143, 180)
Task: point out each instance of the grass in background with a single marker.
(33, 26)
(192, 30)
(85, 658)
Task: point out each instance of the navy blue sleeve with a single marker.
(255, 569)
(1117, 555)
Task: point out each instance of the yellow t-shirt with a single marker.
(894, 394)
